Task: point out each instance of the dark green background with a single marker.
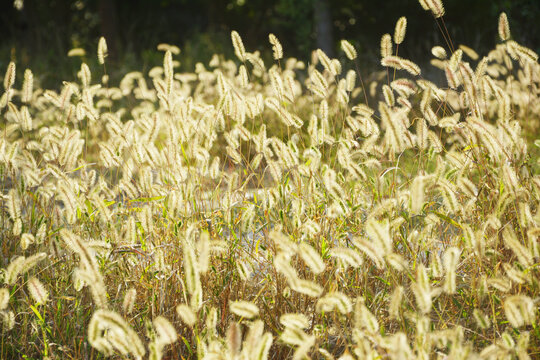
(40, 35)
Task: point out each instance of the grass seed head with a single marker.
(504, 27)
(401, 28)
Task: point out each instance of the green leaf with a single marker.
(36, 311)
(447, 219)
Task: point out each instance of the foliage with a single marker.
(251, 209)
(42, 32)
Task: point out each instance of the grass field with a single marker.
(293, 209)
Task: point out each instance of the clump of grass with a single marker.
(241, 212)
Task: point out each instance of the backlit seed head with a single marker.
(4, 298)
(386, 46)
(520, 310)
(129, 301)
(297, 321)
(165, 331)
(439, 52)
(37, 290)
(277, 50)
(334, 301)
(504, 27)
(349, 50)
(395, 302)
(238, 45)
(186, 314)
(401, 28)
(102, 51)
(311, 258)
(9, 78)
(244, 309)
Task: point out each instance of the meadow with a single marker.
(297, 209)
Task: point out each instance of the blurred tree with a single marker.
(108, 25)
(324, 26)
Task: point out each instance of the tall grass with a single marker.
(286, 210)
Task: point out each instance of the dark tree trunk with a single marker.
(323, 26)
(108, 26)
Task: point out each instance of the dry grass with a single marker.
(240, 212)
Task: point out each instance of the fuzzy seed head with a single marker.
(386, 46)
(79, 52)
(37, 290)
(504, 27)
(401, 28)
(244, 309)
(436, 7)
(9, 78)
(349, 50)
(28, 86)
(129, 301)
(186, 314)
(238, 45)
(439, 52)
(102, 51)
(164, 330)
(4, 298)
(277, 50)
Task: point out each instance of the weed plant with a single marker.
(270, 211)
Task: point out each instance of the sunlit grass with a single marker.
(285, 210)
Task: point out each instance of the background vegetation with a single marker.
(255, 205)
(40, 34)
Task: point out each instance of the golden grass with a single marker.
(241, 212)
